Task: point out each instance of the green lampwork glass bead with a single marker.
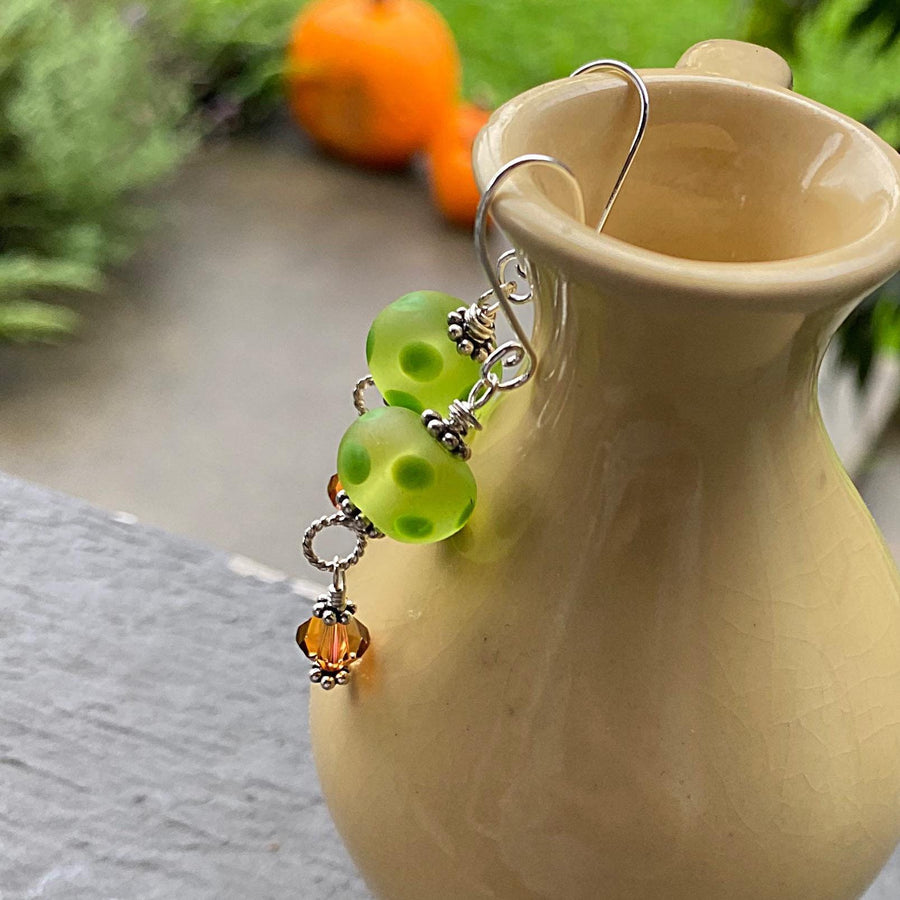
(413, 361)
(402, 479)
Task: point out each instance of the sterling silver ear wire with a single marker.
(599, 65)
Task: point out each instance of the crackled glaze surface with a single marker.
(663, 659)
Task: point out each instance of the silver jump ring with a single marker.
(626, 70)
(338, 562)
(482, 391)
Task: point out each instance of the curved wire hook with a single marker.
(481, 220)
(638, 82)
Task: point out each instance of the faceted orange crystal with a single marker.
(334, 488)
(333, 647)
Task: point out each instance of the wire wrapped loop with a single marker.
(509, 355)
(507, 258)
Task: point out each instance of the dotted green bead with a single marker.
(412, 359)
(402, 479)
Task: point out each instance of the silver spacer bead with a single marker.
(471, 328)
(315, 674)
(343, 676)
(359, 393)
(357, 520)
(327, 682)
(345, 504)
(451, 432)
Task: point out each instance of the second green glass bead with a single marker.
(402, 479)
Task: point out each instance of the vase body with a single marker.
(663, 659)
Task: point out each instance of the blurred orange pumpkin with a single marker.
(371, 80)
(453, 187)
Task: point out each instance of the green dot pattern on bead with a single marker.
(421, 361)
(412, 473)
(355, 463)
(466, 514)
(411, 357)
(401, 398)
(414, 490)
(414, 527)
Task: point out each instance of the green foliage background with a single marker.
(229, 53)
(508, 46)
(100, 98)
(856, 73)
(83, 124)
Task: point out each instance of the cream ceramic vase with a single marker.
(663, 660)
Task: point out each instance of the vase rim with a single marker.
(542, 229)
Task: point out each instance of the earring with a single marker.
(402, 469)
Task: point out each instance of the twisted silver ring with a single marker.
(338, 562)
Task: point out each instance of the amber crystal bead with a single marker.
(334, 488)
(333, 647)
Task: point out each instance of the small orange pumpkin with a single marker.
(371, 80)
(452, 181)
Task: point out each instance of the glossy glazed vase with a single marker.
(663, 660)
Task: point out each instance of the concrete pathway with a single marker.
(153, 724)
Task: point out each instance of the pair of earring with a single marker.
(402, 469)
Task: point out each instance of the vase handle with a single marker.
(739, 60)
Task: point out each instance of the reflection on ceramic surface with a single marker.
(663, 660)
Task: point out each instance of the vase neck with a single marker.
(710, 362)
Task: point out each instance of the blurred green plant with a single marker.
(846, 53)
(83, 126)
(872, 328)
(230, 54)
(508, 46)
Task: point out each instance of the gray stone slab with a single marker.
(153, 731)
(153, 727)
